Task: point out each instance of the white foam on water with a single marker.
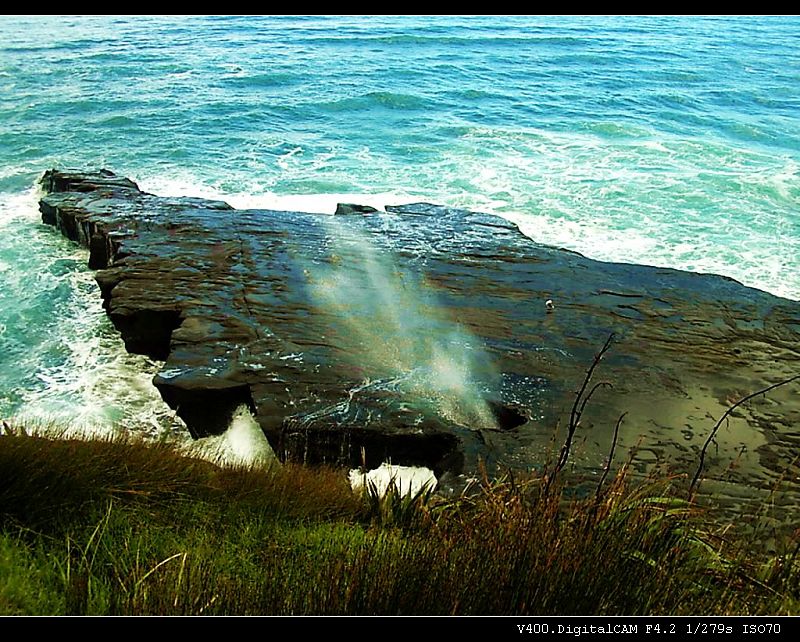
(19, 206)
(263, 198)
(72, 370)
(408, 480)
(651, 199)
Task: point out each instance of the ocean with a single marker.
(670, 141)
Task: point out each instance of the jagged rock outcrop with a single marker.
(421, 335)
(353, 208)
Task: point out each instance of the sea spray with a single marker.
(242, 444)
(396, 330)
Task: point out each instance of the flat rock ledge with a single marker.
(421, 335)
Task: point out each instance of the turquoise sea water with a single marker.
(662, 140)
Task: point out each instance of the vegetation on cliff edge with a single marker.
(123, 527)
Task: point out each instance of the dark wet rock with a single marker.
(55, 181)
(421, 334)
(352, 208)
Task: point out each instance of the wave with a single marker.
(62, 361)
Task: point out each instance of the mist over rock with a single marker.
(420, 335)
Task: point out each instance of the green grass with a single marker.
(121, 527)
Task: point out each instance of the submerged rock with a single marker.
(421, 335)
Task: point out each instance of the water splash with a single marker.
(242, 444)
(394, 328)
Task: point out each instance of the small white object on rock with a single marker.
(549, 305)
